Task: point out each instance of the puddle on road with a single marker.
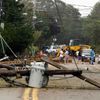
(31, 94)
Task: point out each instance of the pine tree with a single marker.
(17, 32)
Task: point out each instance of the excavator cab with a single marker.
(74, 42)
(74, 45)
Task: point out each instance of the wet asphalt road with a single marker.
(51, 94)
(59, 89)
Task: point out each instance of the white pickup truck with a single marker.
(53, 48)
(86, 54)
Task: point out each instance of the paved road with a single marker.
(51, 94)
(59, 88)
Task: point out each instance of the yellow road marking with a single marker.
(34, 92)
(26, 94)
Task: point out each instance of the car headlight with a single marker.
(83, 55)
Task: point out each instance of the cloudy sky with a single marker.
(84, 6)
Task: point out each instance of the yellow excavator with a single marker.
(74, 45)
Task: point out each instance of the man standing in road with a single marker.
(92, 56)
(61, 56)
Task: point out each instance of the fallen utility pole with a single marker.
(53, 63)
(88, 80)
(6, 66)
(80, 76)
(62, 72)
(12, 73)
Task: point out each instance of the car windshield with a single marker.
(86, 51)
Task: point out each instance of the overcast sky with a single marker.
(87, 5)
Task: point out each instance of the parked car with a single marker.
(53, 48)
(86, 54)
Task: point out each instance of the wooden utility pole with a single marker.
(80, 76)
